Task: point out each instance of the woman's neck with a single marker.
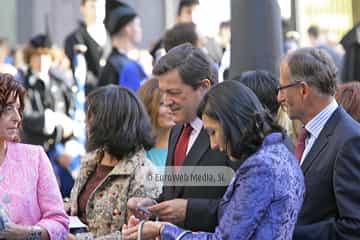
(3, 148)
(109, 160)
(162, 137)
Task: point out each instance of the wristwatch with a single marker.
(35, 233)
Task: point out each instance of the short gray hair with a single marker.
(315, 67)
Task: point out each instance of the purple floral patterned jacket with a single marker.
(262, 202)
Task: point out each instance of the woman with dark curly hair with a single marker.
(29, 194)
(266, 193)
(115, 168)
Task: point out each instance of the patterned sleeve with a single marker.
(54, 219)
(250, 196)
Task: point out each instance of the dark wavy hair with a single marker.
(117, 122)
(9, 86)
(244, 121)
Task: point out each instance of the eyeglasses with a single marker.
(288, 86)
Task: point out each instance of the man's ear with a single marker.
(305, 90)
(206, 84)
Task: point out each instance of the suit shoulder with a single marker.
(71, 39)
(347, 126)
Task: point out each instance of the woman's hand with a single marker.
(67, 205)
(15, 231)
(71, 237)
(150, 229)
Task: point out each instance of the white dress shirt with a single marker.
(315, 126)
(197, 125)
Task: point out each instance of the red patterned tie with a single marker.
(181, 146)
(300, 145)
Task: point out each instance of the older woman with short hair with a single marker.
(29, 193)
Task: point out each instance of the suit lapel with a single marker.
(321, 142)
(174, 137)
(318, 146)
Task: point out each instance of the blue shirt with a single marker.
(158, 157)
(132, 75)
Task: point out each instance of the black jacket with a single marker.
(114, 64)
(95, 54)
(56, 96)
(351, 62)
(201, 214)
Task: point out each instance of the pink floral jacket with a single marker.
(29, 191)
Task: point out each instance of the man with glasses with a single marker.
(329, 152)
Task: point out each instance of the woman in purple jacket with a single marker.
(265, 195)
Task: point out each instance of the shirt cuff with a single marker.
(171, 231)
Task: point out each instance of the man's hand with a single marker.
(173, 211)
(134, 203)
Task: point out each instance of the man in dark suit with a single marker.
(329, 151)
(185, 74)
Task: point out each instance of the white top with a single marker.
(197, 125)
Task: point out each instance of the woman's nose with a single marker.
(16, 116)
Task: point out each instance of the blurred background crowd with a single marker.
(66, 53)
(73, 47)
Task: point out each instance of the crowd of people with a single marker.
(91, 134)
